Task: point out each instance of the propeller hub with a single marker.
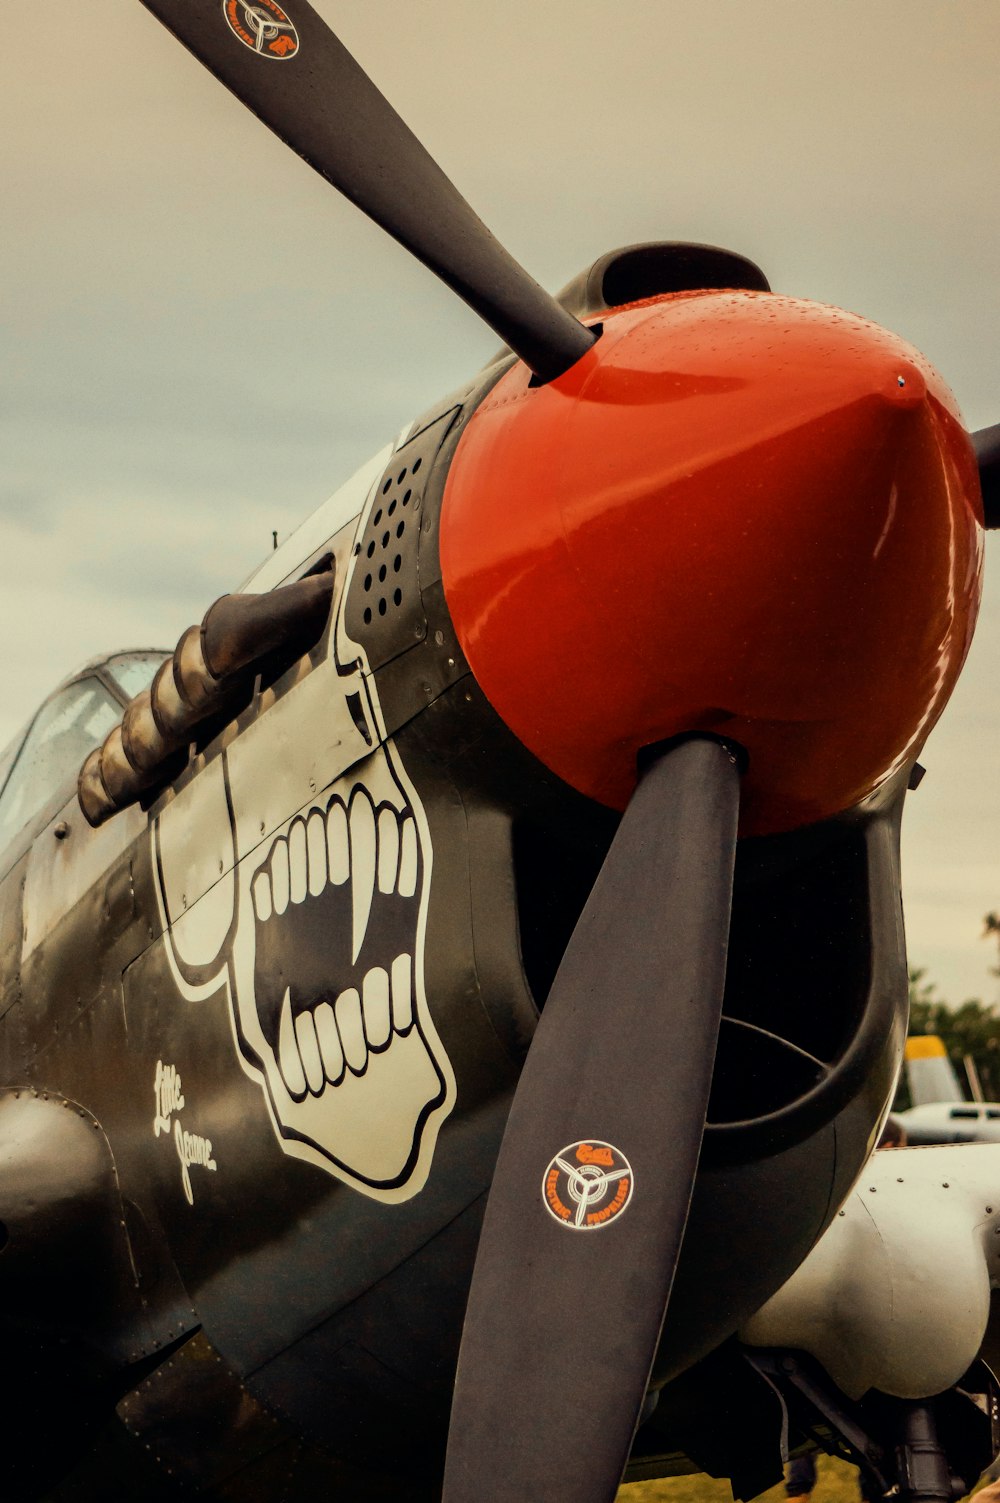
(738, 513)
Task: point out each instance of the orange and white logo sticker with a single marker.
(587, 1185)
(263, 27)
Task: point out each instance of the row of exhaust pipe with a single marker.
(213, 665)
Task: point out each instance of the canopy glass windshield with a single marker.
(65, 729)
(133, 671)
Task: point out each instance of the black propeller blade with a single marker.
(290, 69)
(987, 446)
(590, 1197)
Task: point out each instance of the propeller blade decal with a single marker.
(590, 1197)
(290, 69)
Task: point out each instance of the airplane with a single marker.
(440, 912)
(939, 1111)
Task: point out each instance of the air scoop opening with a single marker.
(555, 868)
(757, 1072)
(816, 987)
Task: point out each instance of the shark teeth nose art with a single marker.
(363, 857)
(336, 911)
(330, 1048)
(375, 1006)
(309, 923)
(315, 1045)
(331, 847)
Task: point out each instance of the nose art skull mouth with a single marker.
(336, 910)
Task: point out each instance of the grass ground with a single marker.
(836, 1482)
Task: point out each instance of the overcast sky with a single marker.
(201, 340)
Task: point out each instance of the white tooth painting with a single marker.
(312, 913)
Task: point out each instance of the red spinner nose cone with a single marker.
(738, 513)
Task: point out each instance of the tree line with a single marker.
(969, 1030)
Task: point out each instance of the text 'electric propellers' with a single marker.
(291, 70)
(588, 1205)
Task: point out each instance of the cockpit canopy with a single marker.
(45, 756)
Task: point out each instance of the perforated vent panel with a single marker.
(384, 609)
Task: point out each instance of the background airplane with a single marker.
(940, 1111)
